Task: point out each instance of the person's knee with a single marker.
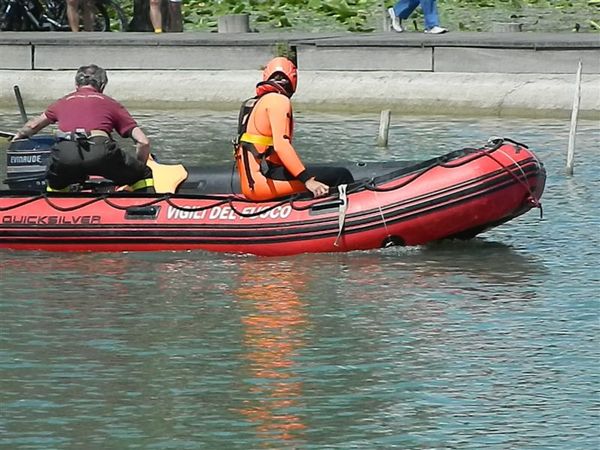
(154, 3)
(344, 176)
(348, 177)
(73, 3)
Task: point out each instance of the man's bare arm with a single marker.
(142, 144)
(32, 127)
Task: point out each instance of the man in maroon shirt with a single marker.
(86, 118)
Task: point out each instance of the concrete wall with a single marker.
(448, 59)
(360, 59)
(134, 57)
(458, 73)
(16, 57)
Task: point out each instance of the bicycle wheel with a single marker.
(12, 17)
(117, 20)
(101, 18)
(57, 14)
(5, 13)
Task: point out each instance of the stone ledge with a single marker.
(428, 93)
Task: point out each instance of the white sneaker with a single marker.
(436, 30)
(396, 22)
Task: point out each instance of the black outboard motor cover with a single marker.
(26, 162)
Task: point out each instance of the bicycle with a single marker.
(51, 15)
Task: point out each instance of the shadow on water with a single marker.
(492, 261)
(478, 258)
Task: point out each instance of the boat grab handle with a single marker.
(326, 205)
(142, 212)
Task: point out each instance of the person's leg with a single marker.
(396, 22)
(175, 16)
(59, 177)
(64, 167)
(331, 176)
(73, 14)
(156, 16)
(124, 169)
(88, 15)
(430, 12)
(404, 8)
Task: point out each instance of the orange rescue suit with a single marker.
(266, 139)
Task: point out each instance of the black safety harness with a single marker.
(245, 142)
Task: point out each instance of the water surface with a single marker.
(491, 343)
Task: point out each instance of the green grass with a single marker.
(367, 15)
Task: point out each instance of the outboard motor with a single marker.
(26, 162)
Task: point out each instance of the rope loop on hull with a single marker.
(302, 201)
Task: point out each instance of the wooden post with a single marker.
(386, 18)
(506, 27)
(574, 114)
(234, 23)
(384, 128)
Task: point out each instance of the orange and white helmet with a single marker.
(284, 66)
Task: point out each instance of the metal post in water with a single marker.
(573, 129)
(384, 128)
(20, 104)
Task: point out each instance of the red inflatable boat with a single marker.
(458, 195)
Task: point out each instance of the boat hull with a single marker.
(455, 196)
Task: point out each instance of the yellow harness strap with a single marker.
(257, 139)
(49, 189)
(141, 184)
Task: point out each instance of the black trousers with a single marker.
(329, 175)
(72, 162)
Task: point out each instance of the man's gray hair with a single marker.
(91, 75)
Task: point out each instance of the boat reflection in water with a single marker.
(274, 326)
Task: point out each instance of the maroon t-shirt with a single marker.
(91, 110)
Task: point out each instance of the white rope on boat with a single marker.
(516, 163)
(492, 139)
(382, 216)
(341, 211)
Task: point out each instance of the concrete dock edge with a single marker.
(530, 95)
